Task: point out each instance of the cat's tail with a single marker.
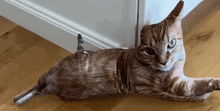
(26, 96)
(80, 43)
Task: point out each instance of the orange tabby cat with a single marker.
(155, 67)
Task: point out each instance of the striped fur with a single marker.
(155, 67)
(80, 43)
(172, 83)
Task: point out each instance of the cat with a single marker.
(155, 68)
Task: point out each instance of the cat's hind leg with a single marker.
(41, 88)
(23, 98)
(26, 96)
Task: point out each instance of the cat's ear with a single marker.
(176, 15)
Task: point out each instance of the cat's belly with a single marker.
(85, 74)
(99, 70)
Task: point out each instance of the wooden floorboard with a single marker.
(14, 42)
(25, 57)
(5, 25)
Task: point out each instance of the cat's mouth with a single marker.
(168, 67)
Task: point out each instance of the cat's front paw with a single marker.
(124, 47)
(216, 84)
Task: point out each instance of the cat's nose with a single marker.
(162, 60)
(163, 63)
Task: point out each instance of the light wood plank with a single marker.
(103, 104)
(144, 103)
(148, 103)
(201, 44)
(72, 106)
(15, 42)
(5, 25)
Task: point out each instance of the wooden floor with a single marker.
(24, 57)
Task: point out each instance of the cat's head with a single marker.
(161, 42)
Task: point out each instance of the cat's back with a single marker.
(89, 62)
(100, 60)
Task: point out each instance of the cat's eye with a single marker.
(150, 51)
(172, 43)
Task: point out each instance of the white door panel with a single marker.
(102, 23)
